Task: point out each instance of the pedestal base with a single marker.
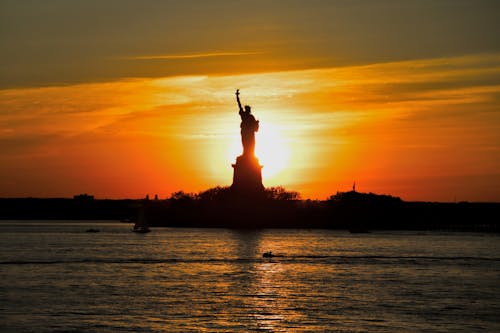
(247, 176)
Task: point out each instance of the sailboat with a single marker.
(141, 226)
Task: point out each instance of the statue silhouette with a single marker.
(248, 127)
(247, 177)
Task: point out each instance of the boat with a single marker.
(141, 229)
(141, 226)
(268, 254)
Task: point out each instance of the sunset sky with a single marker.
(123, 98)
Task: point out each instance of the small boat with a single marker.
(92, 230)
(141, 226)
(268, 254)
(141, 229)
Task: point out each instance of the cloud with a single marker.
(190, 55)
(29, 145)
(70, 42)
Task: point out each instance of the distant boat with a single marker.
(141, 229)
(268, 254)
(141, 226)
(92, 230)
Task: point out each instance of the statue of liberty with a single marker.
(248, 127)
(247, 177)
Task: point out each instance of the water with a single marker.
(54, 277)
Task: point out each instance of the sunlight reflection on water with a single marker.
(56, 277)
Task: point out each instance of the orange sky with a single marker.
(423, 128)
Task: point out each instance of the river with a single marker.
(55, 277)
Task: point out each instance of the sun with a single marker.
(271, 150)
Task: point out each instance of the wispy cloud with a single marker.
(191, 55)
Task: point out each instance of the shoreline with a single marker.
(359, 213)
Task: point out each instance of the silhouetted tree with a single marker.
(280, 193)
(215, 193)
(181, 195)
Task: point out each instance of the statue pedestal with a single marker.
(247, 175)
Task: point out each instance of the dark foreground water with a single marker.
(54, 277)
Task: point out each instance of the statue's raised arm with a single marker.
(238, 99)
